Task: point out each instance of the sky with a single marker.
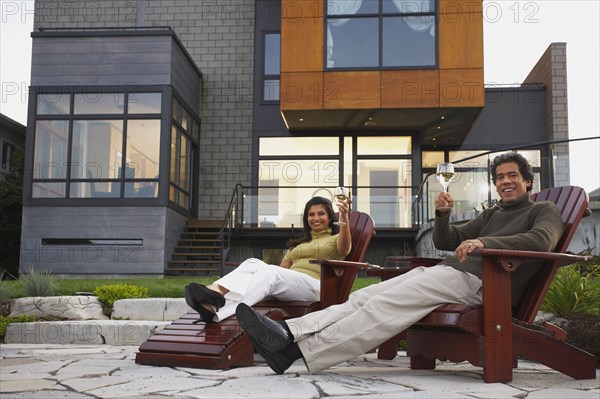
(516, 34)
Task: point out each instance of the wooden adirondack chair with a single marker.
(495, 334)
(224, 345)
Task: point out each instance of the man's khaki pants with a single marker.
(378, 312)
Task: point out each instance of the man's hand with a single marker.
(444, 201)
(466, 247)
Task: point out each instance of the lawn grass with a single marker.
(157, 287)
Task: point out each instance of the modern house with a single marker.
(227, 116)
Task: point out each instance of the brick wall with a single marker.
(551, 71)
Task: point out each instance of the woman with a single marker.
(295, 279)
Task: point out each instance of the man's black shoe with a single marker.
(258, 326)
(262, 329)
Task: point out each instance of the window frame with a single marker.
(380, 15)
(338, 156)
(161, 182)
(264, 76)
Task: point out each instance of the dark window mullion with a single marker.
(69, 164)
(123, 173)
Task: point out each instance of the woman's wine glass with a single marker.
(445, 174)
(342, 194)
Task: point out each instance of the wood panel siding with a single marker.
(461, 88)
(461, 39)
(301, 91)
(352, 90)
(410, 89)
(301, 37)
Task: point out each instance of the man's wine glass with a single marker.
(341, 194)
(445, 174)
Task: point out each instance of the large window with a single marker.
(97, 145)
(184, 130)
(293, 169)
(271, 58)
(380, 33)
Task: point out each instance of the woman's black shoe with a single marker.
(196, 295)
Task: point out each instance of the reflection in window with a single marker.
(384, 33)
(99, 103)
(50, 151)
(143, 147)
(298, 146)
(356, 42)
(96, 149)
(380, 168)
(54, 104)
(271, 90)
(271, 66)
(181, 155)
(383, 145)
(431, 158)
(93, 162)
(144, 103)
(387, 192)
(416, 48)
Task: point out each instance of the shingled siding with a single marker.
(219, 36)
(152, 226)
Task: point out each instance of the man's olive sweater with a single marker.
(521, 225)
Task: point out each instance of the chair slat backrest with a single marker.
(362, 228)
(572, 203)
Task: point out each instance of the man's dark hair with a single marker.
(524, 166)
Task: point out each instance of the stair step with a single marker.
(200, 233)
(194, 262)
(199, 223)
(200, 240)
(216, 256)
(198, 247)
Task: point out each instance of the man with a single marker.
(378, 312)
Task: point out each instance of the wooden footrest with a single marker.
(211, 346)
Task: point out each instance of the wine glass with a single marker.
(445, 174)
(341, 194)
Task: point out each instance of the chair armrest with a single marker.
(343, 264)
(337, 277)
(414, 261)
(510, 259)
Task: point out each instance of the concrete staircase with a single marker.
(198, 251)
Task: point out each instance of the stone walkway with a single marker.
(103, 371)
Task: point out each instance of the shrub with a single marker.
(591, 302)
(7, 290)
(108, 294)
(38, 283)
(573, 290)
(6, 320)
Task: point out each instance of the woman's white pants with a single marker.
(254, 280)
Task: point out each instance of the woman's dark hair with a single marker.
(524, 166)
(305, 236)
